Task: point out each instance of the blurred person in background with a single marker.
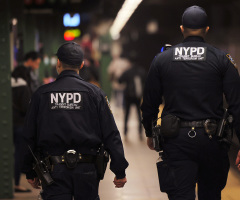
(115, 69)
(30, 66)
(133, 79)
(89, 72)
(21, 94)
(24, 82)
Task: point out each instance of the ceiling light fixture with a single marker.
(128, 8)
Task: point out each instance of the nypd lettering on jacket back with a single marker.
(189, 53)
(65, 101)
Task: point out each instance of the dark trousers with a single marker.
(18, 152)
(195, 160)
(80, 183)
(128, 102)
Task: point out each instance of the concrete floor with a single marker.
(141, 174)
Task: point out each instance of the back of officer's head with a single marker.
(70, 55)
(194, 21)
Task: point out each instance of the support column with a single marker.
(6, 139)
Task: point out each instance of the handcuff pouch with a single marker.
(170, 126)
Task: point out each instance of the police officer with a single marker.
(72, 117)
(192, 77)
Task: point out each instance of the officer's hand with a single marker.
(238, 161)
(119, 183)
(150, 143)
(35, 183)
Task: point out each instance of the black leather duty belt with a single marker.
(80, 159)
(198, 124)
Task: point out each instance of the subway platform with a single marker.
(141, 174)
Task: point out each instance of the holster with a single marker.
(157, 138)
(102, 159)
(166, 176)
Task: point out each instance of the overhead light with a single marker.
(152, 27)
(72, 34)
(14, 21)
(128, 8)
(71, 21)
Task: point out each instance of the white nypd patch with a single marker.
(65, 101)
(189, 53)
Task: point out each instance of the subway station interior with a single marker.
(132, 31)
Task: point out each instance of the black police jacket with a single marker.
(72, 114)
(192, 77)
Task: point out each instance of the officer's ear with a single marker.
(82, 65)
(207, 29)
(58, 66)
(182, 29)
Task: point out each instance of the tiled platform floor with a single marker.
(141, 174)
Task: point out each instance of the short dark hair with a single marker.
(65, 66)
(32, 55)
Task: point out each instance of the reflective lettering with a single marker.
(193, 50)
(200, 50)
(62, 96)
(178, 51)
(69, 97)
(186, 50)
(77, 98)
(54, 98)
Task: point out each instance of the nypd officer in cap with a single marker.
(67, 117)
(192, 77)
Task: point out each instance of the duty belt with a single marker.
(71, 158)
(198, 124)
(210, 126)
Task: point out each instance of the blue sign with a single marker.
(69, 21)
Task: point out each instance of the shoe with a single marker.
(20, 190)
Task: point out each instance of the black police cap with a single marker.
(70, 53)
(195, 17)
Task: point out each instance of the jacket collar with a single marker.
(69, 73)
(194, 39)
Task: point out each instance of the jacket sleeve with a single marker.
(231, 88)
(30, 136)
(111, 138)
(152, 98)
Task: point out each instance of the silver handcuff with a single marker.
(192, 131)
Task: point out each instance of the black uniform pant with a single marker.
(18, 153)
(81, 183)
(128, 102)
(194, 160)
